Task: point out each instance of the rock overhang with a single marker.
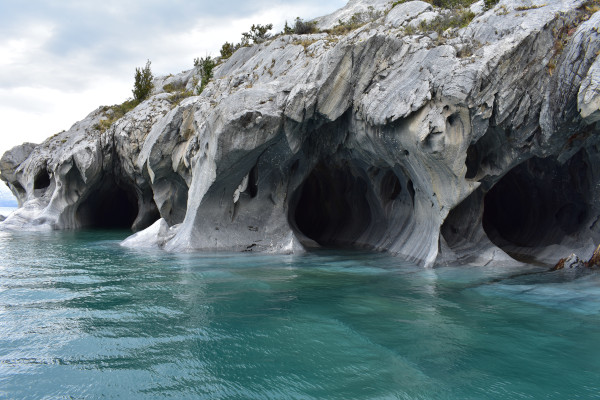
(439, 120)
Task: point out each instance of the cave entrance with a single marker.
(42, 179)
(537, 203)
(110, 205)
(331, 207)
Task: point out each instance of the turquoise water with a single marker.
(82, 318)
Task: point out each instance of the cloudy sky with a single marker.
(61, 59)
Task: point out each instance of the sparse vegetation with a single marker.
(114, 113)
(456, 19)
(502, 10)
(143, 85)
(410, 30)
(590, 7)
(228, 49)
(178, 91)
(448, 4)
(301, 27)
(174, 87)
(176, 97)
(258, 34)
(532, 7)
(563, 33)
(206, 64)
(304, 43)
(489, 4)
(356, 21)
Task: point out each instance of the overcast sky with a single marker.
(61, 59)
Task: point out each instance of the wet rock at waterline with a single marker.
(574, 263)
(477, 144)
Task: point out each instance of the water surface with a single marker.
(81, 317)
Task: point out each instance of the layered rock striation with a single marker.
(465, 144)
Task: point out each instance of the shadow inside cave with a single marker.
(109, 205)
(330, 207)
(538, 203)
(42, 179)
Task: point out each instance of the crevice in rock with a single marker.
(330, 207)
(411, 191)
(252, 187)
(472, 162)
(538, 203)
(109, 205)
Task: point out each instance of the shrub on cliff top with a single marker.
(143, 85)
(300, 27)
(228, 49)
(258, 34)
(206, 64)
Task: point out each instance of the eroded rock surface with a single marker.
(471, 145)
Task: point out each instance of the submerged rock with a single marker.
(388, 137)
(573, 262)
(570, 262)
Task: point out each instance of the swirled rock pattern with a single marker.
(472, 145)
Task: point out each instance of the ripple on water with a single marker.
(82, 317)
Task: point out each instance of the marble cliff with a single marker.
(469, 144)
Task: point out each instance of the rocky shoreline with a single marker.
(474, 144)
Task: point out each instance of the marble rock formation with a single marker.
(476, 144)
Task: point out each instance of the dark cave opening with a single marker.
(537, 203)
(109, 206)
(463, 220)
(42, 179)
(331, 207)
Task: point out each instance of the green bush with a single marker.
(258, 34)
(176, 97)
(490, 3)
(143, 85)
(356, 21)
(206, 64)
(302, 28)
(456, 19)
(178, 86)
(228, 49)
